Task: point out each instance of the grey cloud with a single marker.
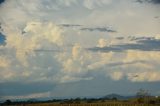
(154, 1)
(47, 50)
(119, 38)
(142, 44)
(69, 25)
(133, 38)
(1, 29)
(156, 17)
(149, 1)
(140, 1)
(126, 63)
(100, 29)
(36, 50)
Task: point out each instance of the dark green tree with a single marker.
(8, 102)
(142, 96)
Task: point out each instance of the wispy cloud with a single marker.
(91, 29)
(142, 44)
(149, 1)
(69, 25)
(100, 29)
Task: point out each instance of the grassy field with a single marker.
(145, 101)
(87, 104)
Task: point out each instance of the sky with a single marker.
(78, 48)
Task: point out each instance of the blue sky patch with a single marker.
(2, 39)
(1, 1)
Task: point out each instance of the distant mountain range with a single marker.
(109, 96)
(120, 97)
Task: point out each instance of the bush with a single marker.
(152, 102)
(8, 102)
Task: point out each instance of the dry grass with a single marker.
(88, 104)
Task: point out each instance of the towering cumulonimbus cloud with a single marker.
(33, 39)
(63, 46)
(27, 38)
